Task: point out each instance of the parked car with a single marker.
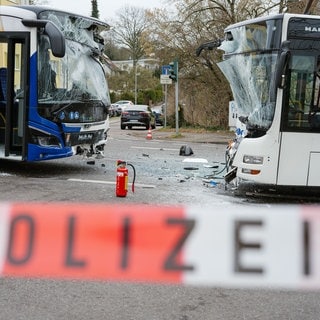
(113, 110)
(159, 118)
(120, 105)
(137, 116)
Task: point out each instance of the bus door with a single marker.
(300, 137)
(14, 70)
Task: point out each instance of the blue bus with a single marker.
(54, 97)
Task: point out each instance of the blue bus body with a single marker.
(54, 97)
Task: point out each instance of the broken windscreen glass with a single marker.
(249, 66)
(250, 78)
(78, 76)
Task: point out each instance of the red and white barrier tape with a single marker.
(276, 246)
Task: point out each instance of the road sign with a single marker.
(165, 69)
(164, 79)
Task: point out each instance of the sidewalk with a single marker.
(218, 137)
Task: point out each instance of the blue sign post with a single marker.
(165, 73)
(165, 70)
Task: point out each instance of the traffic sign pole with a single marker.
(170, 72)
(177, 96)
(165, 104)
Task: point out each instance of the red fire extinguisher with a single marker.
(122, 178)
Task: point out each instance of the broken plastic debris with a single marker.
(209, 183)
(185, 151)
(211, 166)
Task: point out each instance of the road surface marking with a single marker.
(196, 160)
(152, 148)
(149, 186)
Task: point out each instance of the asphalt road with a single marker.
(162, 175)
(162, 178)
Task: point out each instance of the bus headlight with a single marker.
(45, 140)
(48, 141)
(252, 159)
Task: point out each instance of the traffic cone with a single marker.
(149, 135)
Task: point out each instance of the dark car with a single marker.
(137, 116)
(159, 118)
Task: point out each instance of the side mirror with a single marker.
(56, 38)
(208, 46)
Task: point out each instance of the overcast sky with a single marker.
(107, 8)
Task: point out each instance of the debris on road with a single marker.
(185, 151)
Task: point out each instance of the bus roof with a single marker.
(40, 9)
(268, 17)
(254, 20)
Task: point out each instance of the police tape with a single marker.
(233, 246)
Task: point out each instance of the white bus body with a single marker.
(272, 64)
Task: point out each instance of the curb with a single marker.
(212, 138)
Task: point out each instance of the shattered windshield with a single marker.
(251, 78)
(78, 75)
(249, 65)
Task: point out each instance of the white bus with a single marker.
(272, 64)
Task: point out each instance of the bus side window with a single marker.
(3, 84)
(47, 76)
(3, 99)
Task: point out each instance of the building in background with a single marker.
(3, 48)
(14, 2)
(127, 65)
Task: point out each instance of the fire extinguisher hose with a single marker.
(134, 175)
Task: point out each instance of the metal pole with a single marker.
(177, 107)
(165, 104)
(177, 99)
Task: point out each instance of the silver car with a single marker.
(120, 105)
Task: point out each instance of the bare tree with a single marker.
(129, 31)
(204, 91)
